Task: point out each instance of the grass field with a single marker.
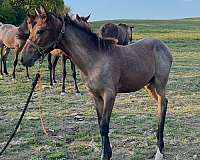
(133, 122)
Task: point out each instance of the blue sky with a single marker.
(135, 9)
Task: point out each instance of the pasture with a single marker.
(133, 122)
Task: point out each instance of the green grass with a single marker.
(134, 120)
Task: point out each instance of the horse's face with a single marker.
(127, 29)
(42, 33)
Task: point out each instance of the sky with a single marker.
(135, 9)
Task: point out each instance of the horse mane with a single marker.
(101, 43)
(22, 28)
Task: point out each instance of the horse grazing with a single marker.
(122, 32)
(106, 68)
(57, 53)
(12, 37)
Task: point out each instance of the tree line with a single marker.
(14, 11)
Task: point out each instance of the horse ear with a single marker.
(43, 11)
(132, 26)
(37, 12)
(86, 18)
(78, 17)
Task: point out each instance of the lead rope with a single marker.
(39, 93)
(35, 81)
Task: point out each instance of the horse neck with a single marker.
(80, 47)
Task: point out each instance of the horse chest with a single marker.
(96, 80)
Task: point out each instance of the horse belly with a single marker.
(134, 81)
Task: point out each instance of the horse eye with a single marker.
(40, 31)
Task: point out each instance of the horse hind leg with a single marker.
(1, 60)
(158, 90)
(7, 51)
(152, 91)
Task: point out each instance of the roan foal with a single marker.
(106, 68)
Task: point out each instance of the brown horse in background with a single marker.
(12, 37)
(106, 68)
(122, 32)
(57, 53)
(53, 57)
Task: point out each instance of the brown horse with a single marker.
(52, 60)
(122, 32)
(57, 53)
(12, 37)
(106, 68)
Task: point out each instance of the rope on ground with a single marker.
(37, 77)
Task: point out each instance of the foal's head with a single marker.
(45, 30)
(83, 21)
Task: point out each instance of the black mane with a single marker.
(101, 43)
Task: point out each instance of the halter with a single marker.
(42, 50)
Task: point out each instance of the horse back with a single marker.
(8, 35)
(140, 62)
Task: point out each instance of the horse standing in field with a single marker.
(122, 32)
(57, 53)
(12, 37)
(53, 57)
(106, 68)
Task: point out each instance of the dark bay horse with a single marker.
(122, 32)
(12, 37)
(57, 53)
(106, 68)
(52, 60)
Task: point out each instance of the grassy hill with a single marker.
(133, 121)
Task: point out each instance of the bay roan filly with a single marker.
(12, 37)
(106, 68)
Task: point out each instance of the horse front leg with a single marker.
(162, 109)
(64, 73)
(27, 73)
(108, 98)
(16, 54)
(54, 63)
(73, 68)
(50, 69)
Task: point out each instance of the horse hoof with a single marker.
(13, 79)
(63, 93)
(78, 94)
(105, 158)
(28, 79)
(158, 156)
